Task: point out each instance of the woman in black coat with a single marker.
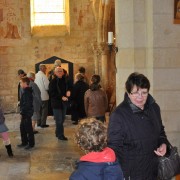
(77, 97)
(136, 132)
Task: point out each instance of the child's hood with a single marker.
(107, 155)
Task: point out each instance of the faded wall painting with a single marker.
(176, 11)
(10, 26)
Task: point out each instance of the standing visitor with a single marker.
(59, 98)
(77, 98)
(4, 134)
(95, 100)
(136, 132)
(82, 70)
(43, 83)
(99, 162)
(21, 74)
(26, 111)
(36, 100)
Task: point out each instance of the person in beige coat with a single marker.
(95, 100)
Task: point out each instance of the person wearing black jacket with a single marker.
(136, 132)
(21, 74)
(77, 98)
(59, 93)
(26, 111)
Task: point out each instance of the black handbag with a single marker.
(169, 165)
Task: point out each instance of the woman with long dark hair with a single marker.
(95, 99)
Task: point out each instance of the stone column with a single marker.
(100, 48)
(97, 50)
(104, 67)
(133, 22)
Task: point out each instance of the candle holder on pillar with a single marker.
(111, 44)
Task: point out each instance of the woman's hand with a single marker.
(161, 151)
(64, 98)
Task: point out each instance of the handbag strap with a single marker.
(169, 147)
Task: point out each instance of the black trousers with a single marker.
(27, 135)
(44, 113)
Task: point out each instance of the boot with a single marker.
(9, 150)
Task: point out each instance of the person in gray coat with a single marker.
(36, 100)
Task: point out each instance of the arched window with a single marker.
(47, 14)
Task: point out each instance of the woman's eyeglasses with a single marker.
(139, 93)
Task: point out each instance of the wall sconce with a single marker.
(111, 44)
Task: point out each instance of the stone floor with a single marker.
(50, 159)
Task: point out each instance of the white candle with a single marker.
(110, 37)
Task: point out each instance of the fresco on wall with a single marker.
(176, 11)
(10, 27)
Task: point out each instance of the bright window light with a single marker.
(48, 12)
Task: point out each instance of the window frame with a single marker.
(50, 30)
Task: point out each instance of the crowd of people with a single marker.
(130, 147)
(52, 93)
(126, 148)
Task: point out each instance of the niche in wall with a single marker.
(68, 66)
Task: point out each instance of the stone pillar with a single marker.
(104, 68)
(98, 50)
(97, 55)
(100, 60)
(134, 38)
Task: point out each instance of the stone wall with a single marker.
(20, 50)
(166, 73)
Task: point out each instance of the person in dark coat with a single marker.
(136, 132)
(51, 75)
(77, 98)
(21, 74)
(59, 94)
(82, 70)
(26, 111)
(100, 162)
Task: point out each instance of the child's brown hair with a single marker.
(91, 135)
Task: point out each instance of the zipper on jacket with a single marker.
(129, 178)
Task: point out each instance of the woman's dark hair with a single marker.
(95, 80)
(79, 77)
(82, 70)
(20, 71)
(136, 79)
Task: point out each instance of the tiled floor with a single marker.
(50, 159)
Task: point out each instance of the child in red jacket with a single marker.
(100, 161)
